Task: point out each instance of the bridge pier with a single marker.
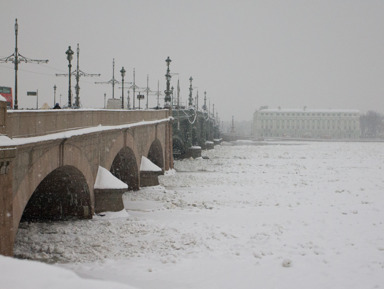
(6, 201)
(109, 200)
(7, 155)
(194, 152)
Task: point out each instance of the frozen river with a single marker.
(278, 215)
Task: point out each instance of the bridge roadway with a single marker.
(49, 160)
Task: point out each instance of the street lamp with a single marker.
(172, 96)
(190, 99)
(16, 63)
(54, 95)
(69, 53)
(122, 71)
(197, 101)
(205, 101)
(16, 58)
(168, 77)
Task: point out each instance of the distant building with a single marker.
(306, 123)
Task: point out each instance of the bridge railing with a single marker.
(36, 123)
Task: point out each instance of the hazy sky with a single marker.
(245, 54)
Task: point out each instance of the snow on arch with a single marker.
(105, 180)
(148, 166)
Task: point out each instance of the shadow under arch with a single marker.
(178, 148)
(155, 154)
(124, 167)
(63, 194)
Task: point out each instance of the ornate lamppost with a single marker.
(206, 119)
(190, 98)
(122, 71)
(205, 101)
(16, 58)
(167, 98)
(69, 53)
(78, 73)
(54, 95)
(172, 97)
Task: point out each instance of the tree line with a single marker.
(372, 125)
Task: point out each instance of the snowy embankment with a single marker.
(290, 215)
(19, 274)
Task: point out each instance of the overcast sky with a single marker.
(245, 54)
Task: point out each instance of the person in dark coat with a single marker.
(57, 106)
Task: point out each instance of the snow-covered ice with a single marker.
(278, 215)
(33, 275)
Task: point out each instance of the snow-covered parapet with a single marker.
(6, 141)
(148, 166)
(81, 131)
(105, 180)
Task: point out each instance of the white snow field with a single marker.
(276, 215)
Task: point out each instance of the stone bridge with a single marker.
(193, 129)
(49, 160)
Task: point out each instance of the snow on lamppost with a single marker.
(69, 53)
(167, 98)
(122, 71)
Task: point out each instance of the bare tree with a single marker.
(372, 124)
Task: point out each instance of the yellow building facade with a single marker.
(306, 123)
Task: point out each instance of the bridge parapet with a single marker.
(36, 123)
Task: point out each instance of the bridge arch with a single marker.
(43, 165)
(155, 154)
(63, 194)
(124, 167)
